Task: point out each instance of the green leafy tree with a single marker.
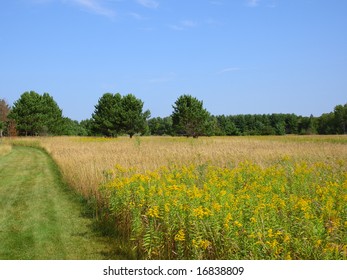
(133, 119)
(160, 126)
(334, 122)
(87, 126)
(115, 114)
(107, 117)
(226, 125)
(278, 123)
(154, 125)
(326, 124)
(340, 116)
(189, 117)
(240, 123)
(291, 121)
(36, 114)
(72, 128)
(211, 126)
(52, 115)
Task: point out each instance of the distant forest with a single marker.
(34, 114)
(265, 124)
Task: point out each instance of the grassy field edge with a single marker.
(63, 226)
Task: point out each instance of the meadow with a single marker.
(4, 149)
(281, 197)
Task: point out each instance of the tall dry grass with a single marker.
(4, 149)
(84, 160)
(213, 198)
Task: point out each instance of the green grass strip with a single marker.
(40, 218)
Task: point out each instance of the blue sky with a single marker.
(238, 56)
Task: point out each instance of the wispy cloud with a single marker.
(183, 24)
(253, 3)
(95, 6)
(229, 69)
(152, 4)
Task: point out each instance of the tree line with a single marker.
(34, 114)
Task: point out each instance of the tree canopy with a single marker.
(160, 126)
(107, 116)
(36, 114)
(262, 124)
(340, 115)
(133, 119)
(115, 115)
(189, 117)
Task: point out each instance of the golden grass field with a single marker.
(282, 197)
(4, 149)
(83, 160)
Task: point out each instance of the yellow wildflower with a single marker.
(216, 206)
(204, 244)
(180, 236)
(153, 212)
(238, 224)
(223, 193)
(200, 212)
(318, 243)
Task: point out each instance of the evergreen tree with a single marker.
(115, 114)
(107, 117)
(87, 126)
(36, 115)
(72, 128)
(189, 117)
(160, 126)
(133, 119)
(340, 116)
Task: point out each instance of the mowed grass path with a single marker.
(39, 217)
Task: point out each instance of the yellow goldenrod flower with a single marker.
(288, 256)
(204, 244)
(153, 212)
(180, 236)
(238, 224)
